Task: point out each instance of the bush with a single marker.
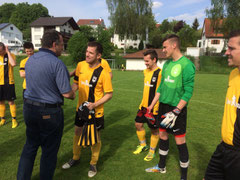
(214, 65)
(77, 46)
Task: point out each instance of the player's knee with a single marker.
(139, 126)
(163, 135)
(78, 131)
(11, 102)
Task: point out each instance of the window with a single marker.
(92, 22)
(37, 29)
(215, 42)
(11, 28)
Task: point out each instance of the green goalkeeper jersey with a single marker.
(177, 81)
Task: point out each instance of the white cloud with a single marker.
(189, 18)
(157, 4)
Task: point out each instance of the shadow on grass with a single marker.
(113, 135)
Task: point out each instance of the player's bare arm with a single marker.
(70, 95)
(154, 101)
(101, 101)
(12, 61)
(181, 104)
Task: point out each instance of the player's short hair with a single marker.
(234, 33)
(2, 45)
(49, 37)
(98, 46)
(153, 54)
(173, 38)
(28, 45)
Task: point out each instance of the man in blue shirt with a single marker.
(47, 80)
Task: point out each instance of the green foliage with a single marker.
(77, 45)
(21, 15)
(141, 45)
(105, 39)
(214, 65)
(229, 11)
(195, 24)
(6, 11)
(88, 32)
(130, 18)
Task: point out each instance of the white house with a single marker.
(129, 42)
(134, 61)
(211, 39)
(66, 25)
(11, 36)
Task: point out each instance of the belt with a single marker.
(35, 103)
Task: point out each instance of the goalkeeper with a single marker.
(152, 78)
(174, 92)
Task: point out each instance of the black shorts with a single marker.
(140, 118)
(7, 92)
(99, 122)
(179, 129)
(224, 163)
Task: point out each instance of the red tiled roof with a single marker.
(158, 25)
(90, 22)
(209, 31)
(139, 54)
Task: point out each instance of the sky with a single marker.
(186, 10)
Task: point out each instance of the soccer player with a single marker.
(175, 91)
(94, 85)
(29, 49)
(152, 78)
(225, 161)
(7, 87)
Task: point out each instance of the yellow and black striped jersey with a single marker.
(105, 65)
(84, 78)
(6, 70)
(231, 116)
(152, 79)
(22, 69)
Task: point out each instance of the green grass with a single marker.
(119, 137)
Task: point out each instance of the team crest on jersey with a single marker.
(5, 59)
(154, 79)
(94, 79)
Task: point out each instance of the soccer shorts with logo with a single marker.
(224, 163)
(99, 122)
(181, 122)
(7, 92)
(140, 118)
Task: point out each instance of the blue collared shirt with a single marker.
(47, 78)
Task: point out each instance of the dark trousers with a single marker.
(44, 127)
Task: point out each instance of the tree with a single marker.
(195, 24)
(105, 39)
(77, 46)
(88, 32)
(226, 10)
(178, 26)
(6, 11)
(24, 14)
(131, 17)
(141, 46)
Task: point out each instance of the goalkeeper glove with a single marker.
(170, 118)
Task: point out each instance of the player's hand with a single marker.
(91, 106)
(170, 118)
(150, 117)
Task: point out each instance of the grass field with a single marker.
(119, 138)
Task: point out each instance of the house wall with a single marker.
(36, 34)
(138, 64)
(120, 43)
(208, 43)
(66, 28)
(11, 36)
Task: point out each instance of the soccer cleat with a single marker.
(69, 164)
(140, 149)
(3, 121)
(149, 156)
(92, 170)
(14, 123)
(156, 169)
